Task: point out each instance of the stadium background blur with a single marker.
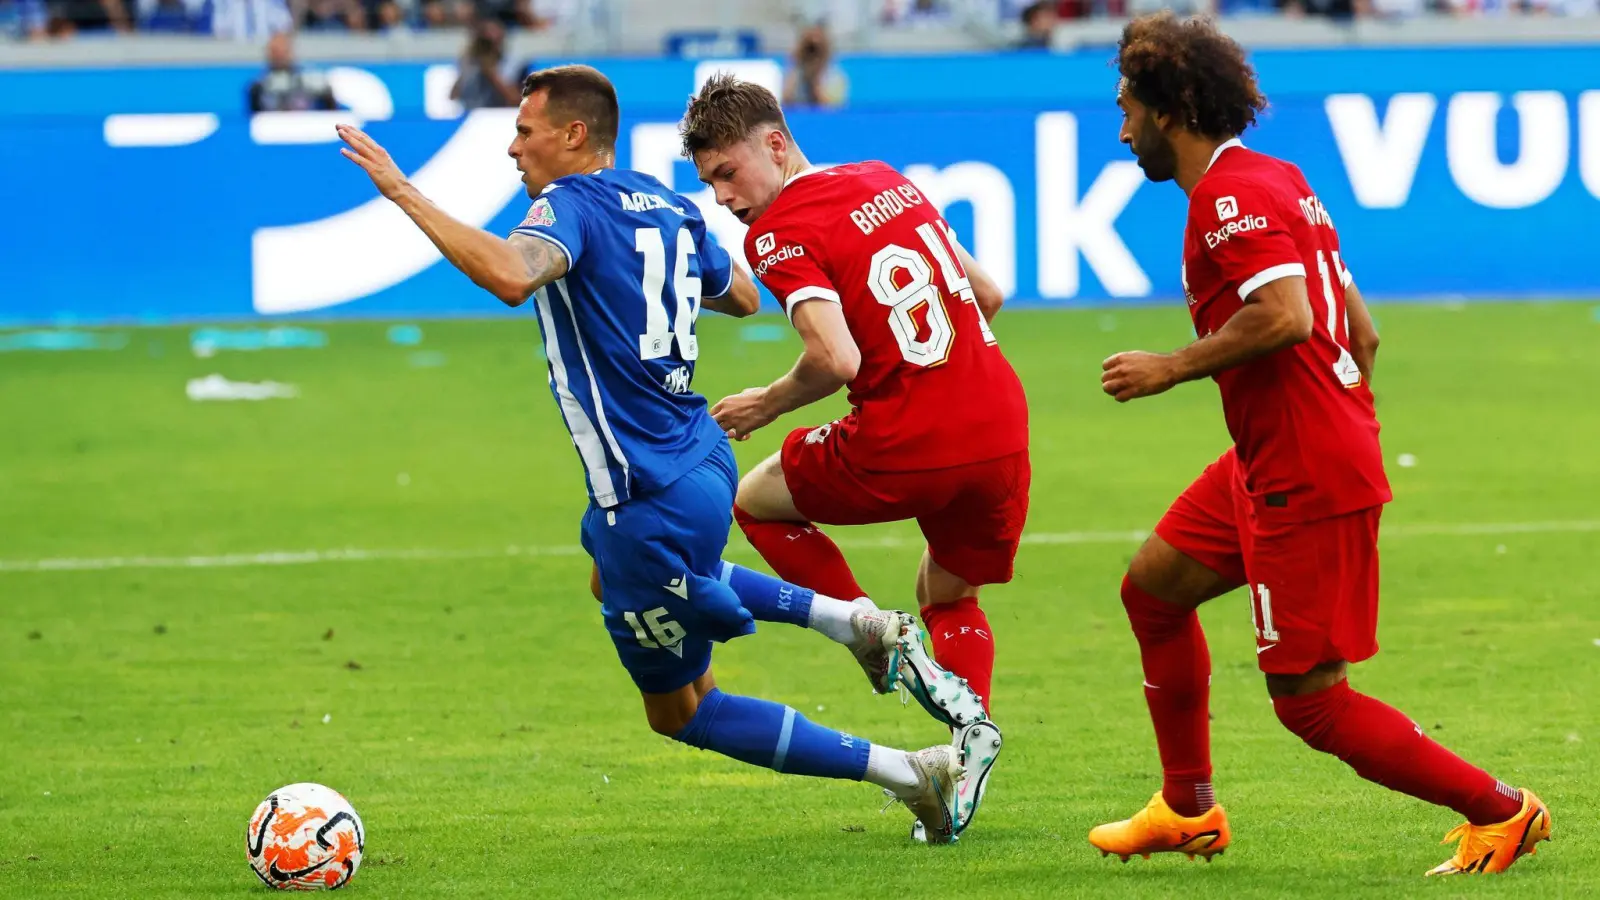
(372, 582)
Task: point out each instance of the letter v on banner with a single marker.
(1069, 226)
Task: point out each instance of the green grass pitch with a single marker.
(461, 691)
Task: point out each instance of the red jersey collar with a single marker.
(1231, 142)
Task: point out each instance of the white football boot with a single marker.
(877, 634)
(977, 747)
(933, 801)
(946, 697)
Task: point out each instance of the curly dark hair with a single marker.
(1191, 71)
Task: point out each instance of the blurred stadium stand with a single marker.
(188, 30)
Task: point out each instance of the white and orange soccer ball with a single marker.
(305, 837)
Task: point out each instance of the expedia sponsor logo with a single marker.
(765, 243)
(1221, 235)
(791, 252)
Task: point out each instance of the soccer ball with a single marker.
(305, 837)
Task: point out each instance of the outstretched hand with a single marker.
(743, 413)
(1135, 374)
(367, 153)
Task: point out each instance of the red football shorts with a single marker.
(1313, 585)
(971, 515)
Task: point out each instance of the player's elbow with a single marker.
(1364, 342)
(989, 300)
(840, 363)
(1294, 324)
(745, 300)
(511, 291)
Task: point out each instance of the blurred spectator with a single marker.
(445, 13)
(814, 79)
(484, 80)
(509, 13)
(286, 86)
(1399, 9)
(547, 13)
(23, 19)
(1331, 9)
(914, 12)
(1181, 7)
(1261, 7)
(171, 16)
(385, 15)
(333, 15)
(249, 20)
(1038, 23)
(68, 17)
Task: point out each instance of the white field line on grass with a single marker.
(425, 554)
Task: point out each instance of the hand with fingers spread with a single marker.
(367, 153)
(743, 413)
(1135, 374)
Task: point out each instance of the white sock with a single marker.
(832, 618)
(890, 768)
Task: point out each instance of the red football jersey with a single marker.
(933, 389)
(1302, 418)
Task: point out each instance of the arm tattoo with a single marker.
(544, 260)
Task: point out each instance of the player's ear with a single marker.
(778, 145)
(577, 134)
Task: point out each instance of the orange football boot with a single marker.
(1157, 829)
(1493, 848)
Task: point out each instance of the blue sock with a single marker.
(769, 599)
(773, 736)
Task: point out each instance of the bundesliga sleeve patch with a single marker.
(541, 214)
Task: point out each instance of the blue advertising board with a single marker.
(148, 192)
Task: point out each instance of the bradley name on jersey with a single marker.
(877, 212)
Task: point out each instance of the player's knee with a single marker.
(763, 494)
(1164, 572)
(671, 714)
(1318, 678)
(938, 586)
(1151, 617)
(1310, 704)
(594, 583)
(667, 724)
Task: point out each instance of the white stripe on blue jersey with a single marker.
(595, 464)
(594, 388)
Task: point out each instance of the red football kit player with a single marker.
(1291, 510)
(889, 304)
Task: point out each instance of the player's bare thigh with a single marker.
(1167, 574)
(764, 493)
(936, 584)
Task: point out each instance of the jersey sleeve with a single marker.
(786, 260)
(557, 215)
(1244, 232)
(716, 264)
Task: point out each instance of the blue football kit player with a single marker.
(618, 267)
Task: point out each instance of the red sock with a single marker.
(1177, 688)
(962, 642)
(1384, 746)
(802, 555)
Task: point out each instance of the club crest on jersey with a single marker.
(1227, 208)
(765, 243)
(541, 214)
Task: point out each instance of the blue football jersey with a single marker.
(619, 327)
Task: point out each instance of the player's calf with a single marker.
(957, 626)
